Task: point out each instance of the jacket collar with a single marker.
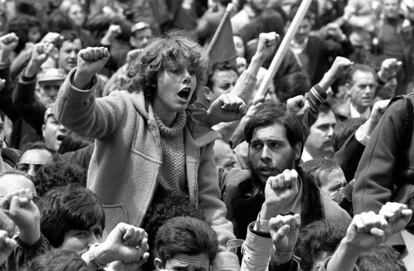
(201, 133)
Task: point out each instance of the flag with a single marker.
(222, 47)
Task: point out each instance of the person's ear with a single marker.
(43, 130)
(297, 151)
(348, 89)
(158, 264)
(209, 94)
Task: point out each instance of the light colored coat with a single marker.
(127, 157)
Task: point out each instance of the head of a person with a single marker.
(72, 218)
(74, 11)
(27, 28)
(185, 243)
(319, 142)
(327, 174)
(141, 34)
(33, 158)
(170, 71)
(239, 46)
(305, 26)
(391, 8)
(275, 138)
(317, 241)
(361, 85)
(57, 260)
(292, 85)
(221, 79)
(172, 205)
(286, 5)
(49, 82)
(69, 47)
(53, 131)
(224, 156)
(58, 22)
(258, 5)
(381, 258)
(11, 181)
(58, 173)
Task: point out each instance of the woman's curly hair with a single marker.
(171, 50)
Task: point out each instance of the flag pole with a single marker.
(220, 28)
(281, 52)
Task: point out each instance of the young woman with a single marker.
(150, 140)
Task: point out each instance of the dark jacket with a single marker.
(387, 163)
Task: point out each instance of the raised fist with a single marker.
(280, 193)
(90, 61)
(267, 44)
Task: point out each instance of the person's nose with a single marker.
(72, 54)
(31, 171)
(186, 77)
(330, 131)
(266, 153)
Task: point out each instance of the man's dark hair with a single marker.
(67, 208)
(57, 260)
(268, 114)
(185, 235)
(168, 207)
(316, 239)
(359, 67)
(68, 35)
(56, 174)
(292, 85)
(381, 258)
(160, 54)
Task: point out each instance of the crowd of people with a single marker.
(125, 146)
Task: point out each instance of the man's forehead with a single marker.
(274, 131)
(72, 43)
(361, 75)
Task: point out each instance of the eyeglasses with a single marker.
(25, 167)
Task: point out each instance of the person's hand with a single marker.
(19, 206)
(378, 110)
(226, 108)
(125, 243)
(90, 61)
(133, 55)
(52, 37)
(8, 43)
(280, 193)
(297, 105)
(398, 215)
(389, 69)
(114, 30)
(339, 68)
(7, 245)
(266, 45)
(284, 230)
(366, 231)
(333, 30)
(40, 53)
